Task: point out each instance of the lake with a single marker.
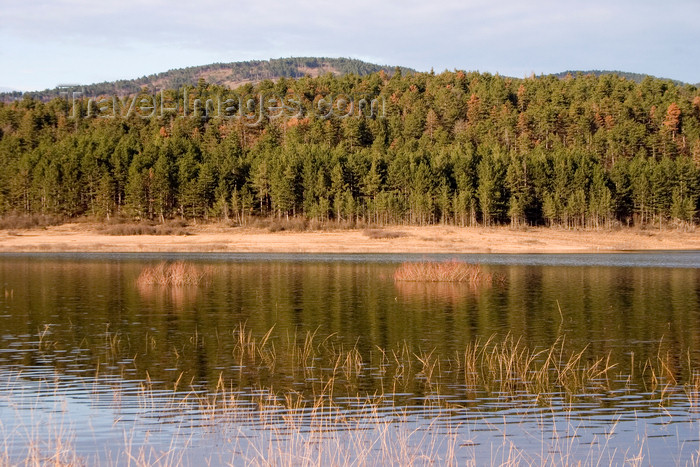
(310, 359)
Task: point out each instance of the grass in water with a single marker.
(173, 274)
(333, 420)
(445, 271)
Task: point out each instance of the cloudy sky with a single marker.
(45, 43)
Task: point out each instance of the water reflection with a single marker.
(68, 320)
(83, 305)
(175, 297)
(450, 293)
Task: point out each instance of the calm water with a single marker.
(91, 360)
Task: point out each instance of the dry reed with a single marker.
(287, 427)
(173, 274)
(445, 271)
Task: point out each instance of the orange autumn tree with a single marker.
(673, 119)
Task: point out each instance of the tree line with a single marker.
(460, 148)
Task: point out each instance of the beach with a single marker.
(90, 237)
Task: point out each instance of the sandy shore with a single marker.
(433, 239)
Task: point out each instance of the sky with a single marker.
(47, 43)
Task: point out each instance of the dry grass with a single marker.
(446, 271)
(173, 274)
(145, 229)
(300, 224)
(28, 221)
(383, 234)
(335, 239)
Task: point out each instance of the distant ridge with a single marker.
(234, 74)
(636, 77)
(231, 75)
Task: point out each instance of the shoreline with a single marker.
(87, 238)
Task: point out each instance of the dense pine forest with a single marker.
(460, 148)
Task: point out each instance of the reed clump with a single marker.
(445, 271)
(173, 274)
(509, 367)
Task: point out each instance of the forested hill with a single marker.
(459, 148)
(224, 74)
(636, 77)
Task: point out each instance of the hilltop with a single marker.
(234, 74)
(231, 75)
(636, 77)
